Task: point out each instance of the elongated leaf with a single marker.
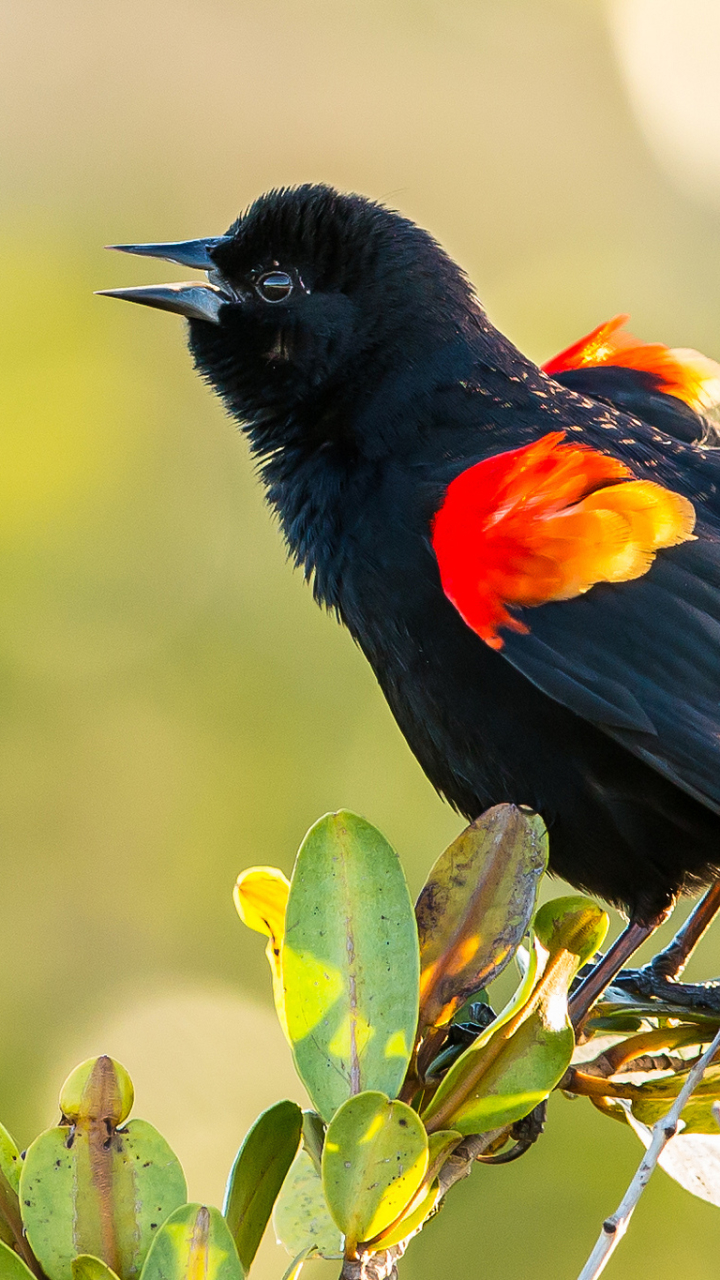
(85, 1267)
(193, 1244)
(476, 906)
(11, 1266)
(261, 895)
(82, 1192)
(374, 1160)
(301, 1218)
(257, 1175)
(350, 963)
(11, 1231)
(516, 1063)
(10, 1162)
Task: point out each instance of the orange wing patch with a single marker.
(547, 522)
(680, 371)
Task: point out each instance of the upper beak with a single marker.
(189, 253)
(192, 298)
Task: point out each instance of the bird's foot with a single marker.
(649, 985)
(525, 1133)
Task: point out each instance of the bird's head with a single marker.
(310, 291)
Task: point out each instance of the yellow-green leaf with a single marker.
(516, 1063)
(476, 906)
(11, 1266)
(440, 1145)
(697, 1117)
(99, 1089)
(350, 963)
(84, 1192)
(193, 1244)
(411, 1221)
(86, 1267)
(10, 1162)
(374, 1161)
(11, 1230)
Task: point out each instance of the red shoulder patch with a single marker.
(680, 371)
(547, 522)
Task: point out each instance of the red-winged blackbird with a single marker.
(529, 559)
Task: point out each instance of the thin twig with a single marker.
(614, 1228)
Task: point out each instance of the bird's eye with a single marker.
(274, 286)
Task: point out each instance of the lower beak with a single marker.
(191, 298)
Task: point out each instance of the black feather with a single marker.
(377, 383)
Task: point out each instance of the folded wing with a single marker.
(547, 522)
(550, 553)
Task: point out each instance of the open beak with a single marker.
(196, 299)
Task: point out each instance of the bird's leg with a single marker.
(611, 963)
(670, 962)
(658, 979)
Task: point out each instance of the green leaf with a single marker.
(654, 1099)
(11, 1231)
(350, 963)
(574, 925)
(82, 1192)
(697, 1116)
(100, 1088)
(301, 1218)
(516, 1063)
(193, 1244)
(374, 1161)
(257, 1175)
(10, 1161)
(11, 1266)
(313, 1137)
(86, 1267)
(476, 907)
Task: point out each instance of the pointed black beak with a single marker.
(196, 299)
(189, 298)
(189, 253)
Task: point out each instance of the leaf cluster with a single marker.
(411, 1073)
(371, 993)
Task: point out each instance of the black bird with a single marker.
(529, 559)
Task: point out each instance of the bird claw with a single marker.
(649, 984)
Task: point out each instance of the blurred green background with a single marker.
(174, 707)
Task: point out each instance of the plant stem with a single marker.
(614, 1228)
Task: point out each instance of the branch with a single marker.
(460, 1163)
(614, 1228)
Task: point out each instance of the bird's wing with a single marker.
(642, 661)
(593, 585)
(674, 389)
